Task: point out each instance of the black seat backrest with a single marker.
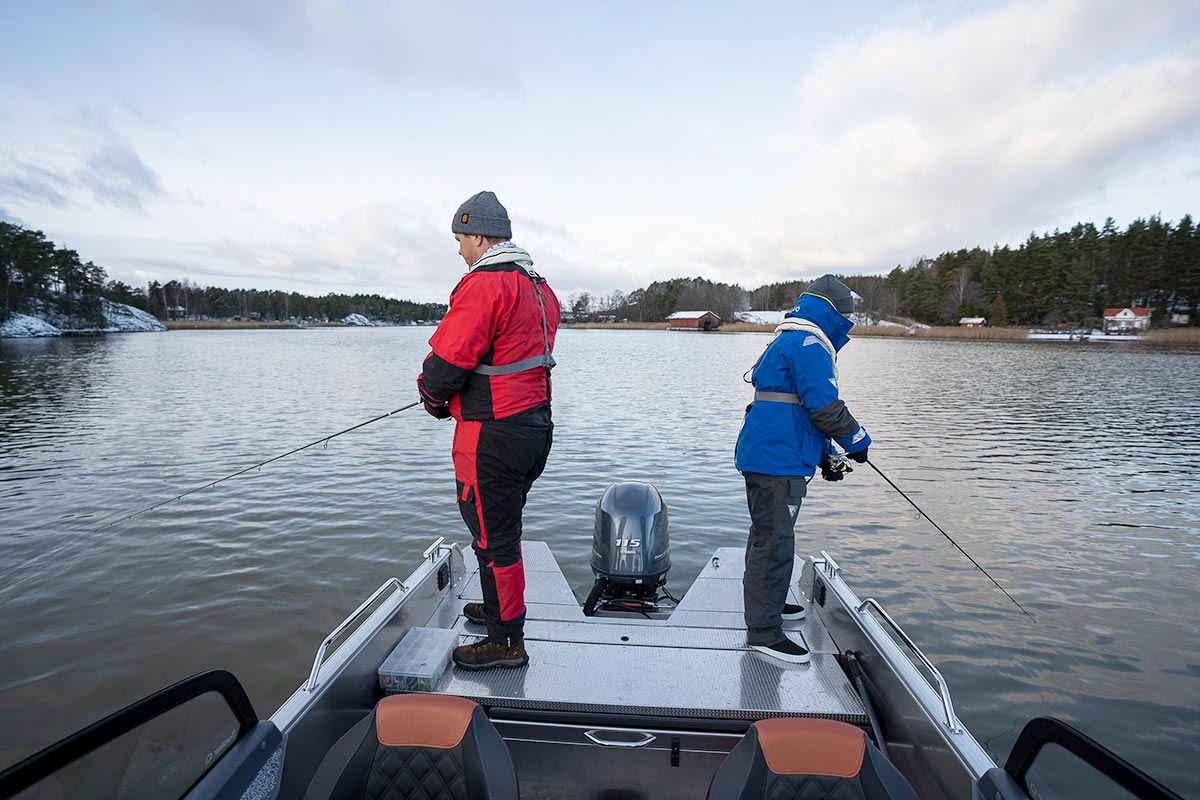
(813, 759)
(434, 747)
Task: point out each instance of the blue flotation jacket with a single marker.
(797, 411)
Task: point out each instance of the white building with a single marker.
(1126, 320)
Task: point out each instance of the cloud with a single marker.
(9, 218)
(398, 248)
(116, 175)
(392, 40)
(920, 139)
(34, 184)
(102, 164)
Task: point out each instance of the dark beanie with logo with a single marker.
(834, 291)
(482, 215)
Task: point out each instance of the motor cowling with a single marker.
(630, 544)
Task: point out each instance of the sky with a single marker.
(323, 146)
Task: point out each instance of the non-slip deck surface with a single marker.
(695, 664)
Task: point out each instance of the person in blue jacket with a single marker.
(785, 436)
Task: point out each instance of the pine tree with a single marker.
(998, 317)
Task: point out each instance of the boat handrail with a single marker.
(944, 690)
(393, 584)
(830, 566)
(434, 549)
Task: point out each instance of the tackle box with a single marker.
(418, 661)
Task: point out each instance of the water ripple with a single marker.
(1070, 472)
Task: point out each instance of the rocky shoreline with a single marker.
(118, 318)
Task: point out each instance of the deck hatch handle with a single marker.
(947, 705)
(594, 736)
(390, 585)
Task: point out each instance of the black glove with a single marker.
(859, 457)
(829, 473)
(834, 468)
(437, 411)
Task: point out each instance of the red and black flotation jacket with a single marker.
(492, 353)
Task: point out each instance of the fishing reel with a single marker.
(835, 467)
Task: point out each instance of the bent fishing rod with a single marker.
(259, 465)
(950, 539)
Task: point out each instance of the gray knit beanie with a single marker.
(834, 291)
(482, 215)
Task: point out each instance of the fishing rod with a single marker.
(259, 465)
(951, 539)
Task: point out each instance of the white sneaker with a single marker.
(785, 650)
(793, 612)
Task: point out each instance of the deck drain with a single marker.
(624, 638)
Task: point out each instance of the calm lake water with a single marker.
(1071, 471)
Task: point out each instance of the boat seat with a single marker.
(432, 747)
(807, 759)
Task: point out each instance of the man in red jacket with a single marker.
(489, 368)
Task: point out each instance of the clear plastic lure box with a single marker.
(418, 661)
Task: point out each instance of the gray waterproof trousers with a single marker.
(774, 502)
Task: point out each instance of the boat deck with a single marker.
(696, 664)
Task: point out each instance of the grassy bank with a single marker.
(1173, 336)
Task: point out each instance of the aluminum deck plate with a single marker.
(695, 664)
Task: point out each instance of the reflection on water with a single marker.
(1070, 471)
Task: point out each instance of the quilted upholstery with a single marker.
(473, 764)
(747, 775)
(417, 773)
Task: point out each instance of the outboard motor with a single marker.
(630, 549)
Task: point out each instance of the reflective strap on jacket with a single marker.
(778, 397)
(544, 360)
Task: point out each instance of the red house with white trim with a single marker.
(1126, 320)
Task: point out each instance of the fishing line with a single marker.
(951, 540)
(324, 439)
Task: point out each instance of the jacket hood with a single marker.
(815, 308)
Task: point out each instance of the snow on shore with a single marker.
(357, 319)
(127, 319)
(118, 318)
(23, 325)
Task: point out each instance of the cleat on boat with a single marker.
(784, 650)
(490, 654)
(791, 611)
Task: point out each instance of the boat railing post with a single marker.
(391, 584)
(434, 549)
(829, 566)
(943, 689)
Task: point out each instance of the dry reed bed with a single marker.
(993, 334)
(879, 330)
(1173, 336)
(221, 324)
(617, 326)
(747, 327)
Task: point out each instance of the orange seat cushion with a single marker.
(422, 720)
(811, 747)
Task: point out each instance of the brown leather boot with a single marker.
(474, 613)
(490, 654)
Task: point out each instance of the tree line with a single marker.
(187, 300)
(36, 277)
(1064, 277)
